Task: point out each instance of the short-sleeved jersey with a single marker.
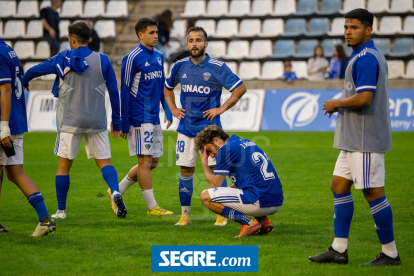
(365, 68)
(201, 87)
(142, 88)
(251, 170)
(11, 72)
(366, 129)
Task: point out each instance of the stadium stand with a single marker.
(216, 8)
(395, 69)
(300, 68)
(265, 31)
(24, 49)
(42, 50)
(410, 70)
(233, 66)
(249, 70)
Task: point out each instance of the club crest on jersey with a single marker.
(147, 146)
(159, 60)
(206, 76)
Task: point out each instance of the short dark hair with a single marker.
(197, 29)
(362, 15)
(143, 24)
(206, 136)
(80, 31)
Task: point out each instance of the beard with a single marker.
(199, 54)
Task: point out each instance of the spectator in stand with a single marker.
(165, 23)
(94, 41)
(338, 63)
(50, 21)
(317, 65)
(182, 52)
(288, 75)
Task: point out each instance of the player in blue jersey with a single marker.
(82, 76)
(363, 134)
(202, 79)
(12, 127)
(142, 77)
(256, 189)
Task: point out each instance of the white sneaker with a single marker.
(44, 228)
(60, 214)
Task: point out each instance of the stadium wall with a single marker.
(259, 109)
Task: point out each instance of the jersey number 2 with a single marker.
(149, 136)
(257, 156)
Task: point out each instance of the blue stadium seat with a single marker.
(403, 47)
(318, 27)
(307, 7)
(383, 44)
(306, 48)
(328, 44)
(284, 49)
(295, 27)
(330, 7)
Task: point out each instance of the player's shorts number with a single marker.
(180, 146)
(257, 156)
(149, 137)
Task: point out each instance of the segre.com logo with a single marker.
(205, 258)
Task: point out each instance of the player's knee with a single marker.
(205, 198)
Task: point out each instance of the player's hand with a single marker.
(7, 142)
(204, 156)
(330, 107)
(115, 133)
(212, 113)
(125, 135)
(169, 122)
(178, 113)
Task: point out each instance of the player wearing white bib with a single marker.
(202, 79)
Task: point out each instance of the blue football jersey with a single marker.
(11, 72)
(201, 87)
(142, 87)
(251, 170)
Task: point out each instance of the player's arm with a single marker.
(356, 101)
(44, 68)
(365, 75)
(214, 180)
(169, 85)
(127, 75)
(232, 83)
(112, 85)
(5, 105)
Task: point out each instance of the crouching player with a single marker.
(256, 189)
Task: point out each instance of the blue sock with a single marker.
(36, 200)
(236, 216)
(344, 210)
(62, 183)
(382, 213)
(111, 177)
(224, 184)
(185, 190)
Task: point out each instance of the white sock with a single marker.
(390, 249)
(340, 244)
(185, 210)
(125, 184)
(149, 198)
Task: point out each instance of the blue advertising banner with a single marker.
(301, 110)
(205, 258)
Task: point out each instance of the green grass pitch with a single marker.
(93, 241)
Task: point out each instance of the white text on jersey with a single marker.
(153, 75)
(196, 89)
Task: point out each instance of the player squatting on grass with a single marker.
(13, 126)
(256, 189)
(363, 134)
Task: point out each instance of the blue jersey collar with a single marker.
(368, 44)
(203, 63)
(233, 137)
(146, 50)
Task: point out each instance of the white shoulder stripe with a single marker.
(130, 59)
(215, 60)
(182, 60)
